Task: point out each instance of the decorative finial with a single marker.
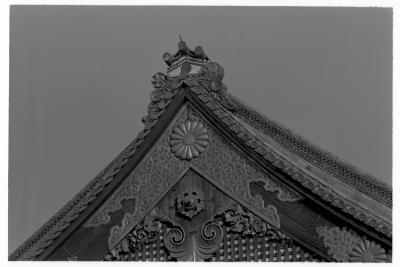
(197, 55)
(192, 67)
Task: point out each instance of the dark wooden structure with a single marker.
(210, 179)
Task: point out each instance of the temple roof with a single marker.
(324, 175)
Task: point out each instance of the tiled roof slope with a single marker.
(324, 160)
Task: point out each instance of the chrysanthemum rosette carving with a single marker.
(189, 139)
(367, 251)
(344, 246)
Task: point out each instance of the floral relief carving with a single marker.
(239, 220)
(145, 232)
(221, 163)
(158, 170)
(189, 139)
(297, 174)
(344, 246)
(367, 251)
(232, 170)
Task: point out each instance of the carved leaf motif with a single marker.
(339, 242)
(230, 169)
(145, 232)
(344, 246)
(222, 163)
(157, 171)
(246, 223)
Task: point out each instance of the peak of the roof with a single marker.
(185, 60)
(186, 66)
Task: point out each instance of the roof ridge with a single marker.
(316, 155)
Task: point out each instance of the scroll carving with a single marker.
(298, 175)
(238, 220)
(160, 169)
(228, 168)
(198, 246)
(155, 173)
(344, 246)
(283, 194)
(145, 232)
(180, 246)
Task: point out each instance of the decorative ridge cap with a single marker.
(184, 50)
(350, 170)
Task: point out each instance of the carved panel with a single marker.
(189, 203)
(314, 155)
(345, 246)
(283, 193)
(228, 168)
(221, 163)
(238, 220)
(324, 192)
(189, 139)
(223, 231)
(158, 171)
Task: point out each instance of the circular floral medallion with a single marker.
(367, 251)
(189, 139)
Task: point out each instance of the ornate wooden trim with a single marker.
(42, 238)
(189, 203)
(283, 193)
(345, 246)
(207, 88)
(243, 222)
(344, 171)
(157, 172)
(283, 164)
(158, 237)
(160, 169)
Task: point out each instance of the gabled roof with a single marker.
(346, 172)
(320, 173)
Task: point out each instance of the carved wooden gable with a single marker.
(197, 196)
(196, 221)
(202, 182)
(191, 199)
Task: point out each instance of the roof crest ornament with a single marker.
(184, 51)
(195, 69)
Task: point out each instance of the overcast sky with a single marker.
(80, 83)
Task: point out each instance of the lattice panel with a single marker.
(234, 247)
